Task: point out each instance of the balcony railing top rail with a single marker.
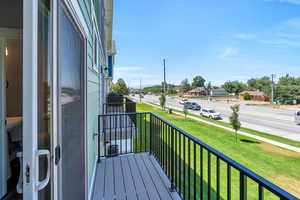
(193, 174)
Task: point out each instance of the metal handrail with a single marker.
(158, 137)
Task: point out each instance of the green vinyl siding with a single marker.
(93, 91)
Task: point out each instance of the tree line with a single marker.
(286, 88)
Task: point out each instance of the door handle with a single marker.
(42, 184)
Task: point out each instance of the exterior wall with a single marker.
(93, 20)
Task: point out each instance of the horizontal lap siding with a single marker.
(93, 92)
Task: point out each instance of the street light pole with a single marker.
(272, 88)
(164, 63)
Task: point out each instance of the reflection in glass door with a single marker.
(71, 108)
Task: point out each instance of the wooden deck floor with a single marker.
(131, 177)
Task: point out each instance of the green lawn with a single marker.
(251, 131)
(280, 166)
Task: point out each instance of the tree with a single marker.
(162, 101)
(185, 85)
(262, 84)
(234, 119)
(185, 110)
(234, 87)
(120, 87)
(247, 96)
(198, 81)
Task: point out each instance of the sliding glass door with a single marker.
(71, 107)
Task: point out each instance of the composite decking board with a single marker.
(163, 190)
(138, 181)
(109, 191)
(99, 183)
(128, 179)
(150, 187)
(163, 176)
(119, 179)
(131, 177)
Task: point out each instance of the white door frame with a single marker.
(76, 15)
(31, 153)
(3, 138)
(30, 80)
(5, 33)
(54, 178)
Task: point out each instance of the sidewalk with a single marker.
(275, 143)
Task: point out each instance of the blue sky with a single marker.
(218, 39)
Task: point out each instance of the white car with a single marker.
(210, 113)
(297, 116)
(182, 101)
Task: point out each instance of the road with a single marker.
(278, 122)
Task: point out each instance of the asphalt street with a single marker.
(278, 122)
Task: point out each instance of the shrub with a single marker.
(247, 96)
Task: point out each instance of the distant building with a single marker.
(218, 92)
(255, 95)
(199, 91)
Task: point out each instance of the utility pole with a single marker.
(140, 90)
(164, 62)
(272, 88)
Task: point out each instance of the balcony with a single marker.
(143, 156)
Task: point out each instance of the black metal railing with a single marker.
(195, 170)
(120, 105)
(123, 133)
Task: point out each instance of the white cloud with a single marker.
(229, 52)
(285, 34)
(296, 2)
(125, 69)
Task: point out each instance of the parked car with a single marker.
(182, 101)
(297, 116)
(195, 106)
(210, 113)
(188, 105)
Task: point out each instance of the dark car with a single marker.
(195, 106)
(192, 105)
(188, 105)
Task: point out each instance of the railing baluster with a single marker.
(228, 181)
(99, 135)
(176, 156)
(141, 132)
(126, 134)
(180, 161)
(189, 168)
(150, 134)
(209, 176)
(243, 186)
(121, 133)
(218, 178)
(260, 192)
(145, 136)
(115, 139)
(195, 169)
(184, 167)
(173, 160)
(201, 174)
